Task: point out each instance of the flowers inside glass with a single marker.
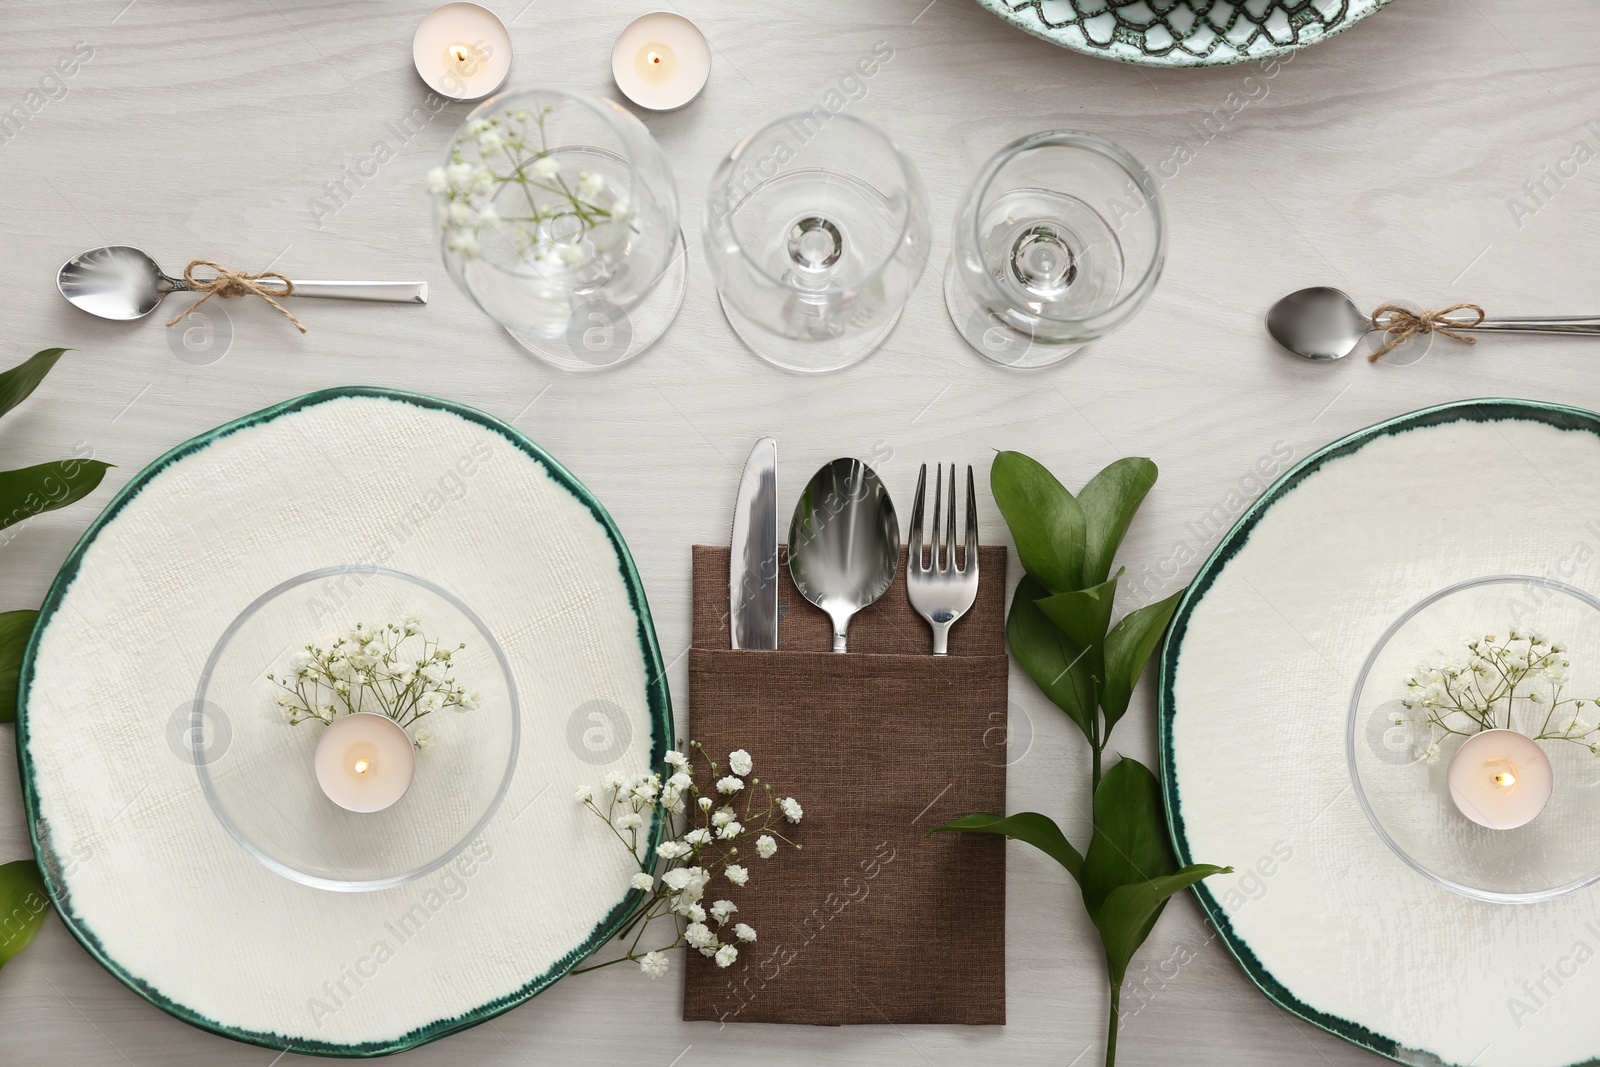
(558, 216)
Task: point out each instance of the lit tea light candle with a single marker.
(462, 50)
(661, 61)
(1500, 779)
(364, 762)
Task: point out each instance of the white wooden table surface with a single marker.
(1389, 161)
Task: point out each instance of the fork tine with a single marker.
(933, 531)
(914, 544)
(972, 527)
(950, 522)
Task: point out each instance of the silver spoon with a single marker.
(844, 542)
(1323, 323)
(121, 282)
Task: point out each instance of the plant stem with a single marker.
(1111, 1033)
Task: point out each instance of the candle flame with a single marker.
(460, 53)
(653, 58)
(1504, 779)
(361, 766)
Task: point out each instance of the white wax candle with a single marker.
(462, 51)
(364, 762)
(1500, 779)
(661, 61)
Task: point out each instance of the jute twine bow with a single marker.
(1403, 324)
(228, 283)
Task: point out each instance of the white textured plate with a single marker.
(1256, 679)
(141, 870)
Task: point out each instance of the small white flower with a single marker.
(546, 168)
(424, 739)
(620, 208)
(721, 817)
(654, 964)
(722, 909)
(699, 936)
(1429, 753)
(698, 836)
(643, 881)
(628, 821)
(465, 244)
(739, 761)
(680, 781)
(1537, 696)
(671, 850)
(571, 255)
(461, 213)
(731, 831)
(477, 126)
(766, 846)
(736, 874)
(705, 803)
(729, 784)
(589, 185)
(791, 809)
(647, 787)
(677, 759)
(693, 912)
(490, 141)
(614, 780)
(481, 181)
(744, 932)
(458, 175)
(726, 955)
(431, 701)
(436, 182)
(488, 216)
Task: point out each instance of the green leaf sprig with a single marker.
(1060, 631)
(24, 493)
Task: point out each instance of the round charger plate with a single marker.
(1256, 680)
(1183, 33)
(140, 868)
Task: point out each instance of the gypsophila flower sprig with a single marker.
(392, 668)
(701, 857)
(554, 222)
(1516, 682)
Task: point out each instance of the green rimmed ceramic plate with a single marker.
(149, 881)
(1255, 684)
(1184, 33)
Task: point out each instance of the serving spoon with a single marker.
(844, 542)
(122, 282)
(1323, 323)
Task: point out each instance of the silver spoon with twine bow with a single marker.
(122, 282)
(1323, 323)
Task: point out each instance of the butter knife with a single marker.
(753, 561)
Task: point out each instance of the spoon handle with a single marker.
(1584, 325)
(386, 292)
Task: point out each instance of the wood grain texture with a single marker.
(1382, 162)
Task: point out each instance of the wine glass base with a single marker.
(600, 334)
(801, 355)
(986, 330)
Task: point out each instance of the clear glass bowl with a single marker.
(583, 265)
(257, 770)
(1060, 240)
(1408, 800)
(816, 230)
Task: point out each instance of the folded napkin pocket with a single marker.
(872, 921)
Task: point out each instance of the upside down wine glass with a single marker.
(558, 216)
(1059, 241)
(816, 230)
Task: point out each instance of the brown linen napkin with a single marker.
(872, 921)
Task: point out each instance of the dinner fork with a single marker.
(941, 591)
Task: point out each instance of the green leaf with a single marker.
(1130, 834)
(1130, 913)
(1045, 520)
(1029, 827)
(23, 903)
(47, 486)
(24, 378)
(1085, 615)
(15, 626)
(1055, 663)
(1108, 503)
(1128, 649)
